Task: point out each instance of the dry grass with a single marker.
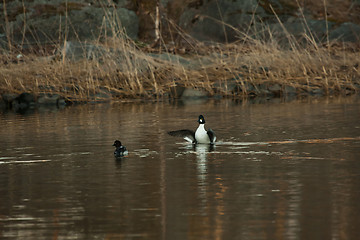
(306, 67)
(125, 70)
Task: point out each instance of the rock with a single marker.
(8, 98)
(262, 89)
(289, 90)
(128, 20)
(247, 87)
(103, 95)
(45, 20)
(298, 28)
(317, 92)
(174, 59)
(2, 104)
(227, 87)
(27, 98)
(188, 63)
(194, 93)
(39, 21)
(61, 102)
(77, 50)
(46, 88)
(348, 32)
(275, 89)
(211, 21)
(23, 101)
(177, 91)
(319, 29)
(205, 20)
(49, 99)
(124, 60)
(71, 89)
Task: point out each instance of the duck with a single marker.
(120, 150)
(201, 135)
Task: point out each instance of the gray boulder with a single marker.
(75, 51)
(23, 101)
(217, 20)
(102, 95)
(228, 87)
(123, 59)
(301, 30)
(177, 91)
(193, 93)
(289, 90)
(211, 21)
(2, 104)
(171, 58)
(8, 98)
(347, 32)
(275, 89)
(48, 99)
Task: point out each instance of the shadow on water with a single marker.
(280, 170)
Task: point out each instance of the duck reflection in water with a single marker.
(201, 150)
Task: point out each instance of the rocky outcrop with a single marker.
(217, 20)
(24, 101)
(228, 21)
(348, 32)
(36, 22)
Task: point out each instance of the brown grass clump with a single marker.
(304, 68)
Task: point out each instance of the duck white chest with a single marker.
(201, 135)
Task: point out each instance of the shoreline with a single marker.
(28, 101)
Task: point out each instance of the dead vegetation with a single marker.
(127, 69)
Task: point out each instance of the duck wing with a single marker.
(188, 135)
(120, 151)
(211, 135)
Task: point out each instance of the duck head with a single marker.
(117, 143)
(201, 119)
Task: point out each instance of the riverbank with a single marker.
(120, 69)
(172, 50)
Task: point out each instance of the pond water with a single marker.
(279, 170)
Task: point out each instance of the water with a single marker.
(280, 170)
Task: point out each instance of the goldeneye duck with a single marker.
(201, 135)
(120, 150)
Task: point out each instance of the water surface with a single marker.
(280, 170)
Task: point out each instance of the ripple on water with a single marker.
(25, 162)
(239, 148)
(144, 152)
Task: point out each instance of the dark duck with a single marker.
(201, 135)
(120, 150)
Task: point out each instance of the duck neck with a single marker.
(201, 128)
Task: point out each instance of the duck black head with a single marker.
(201, 119)
(117, 143)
